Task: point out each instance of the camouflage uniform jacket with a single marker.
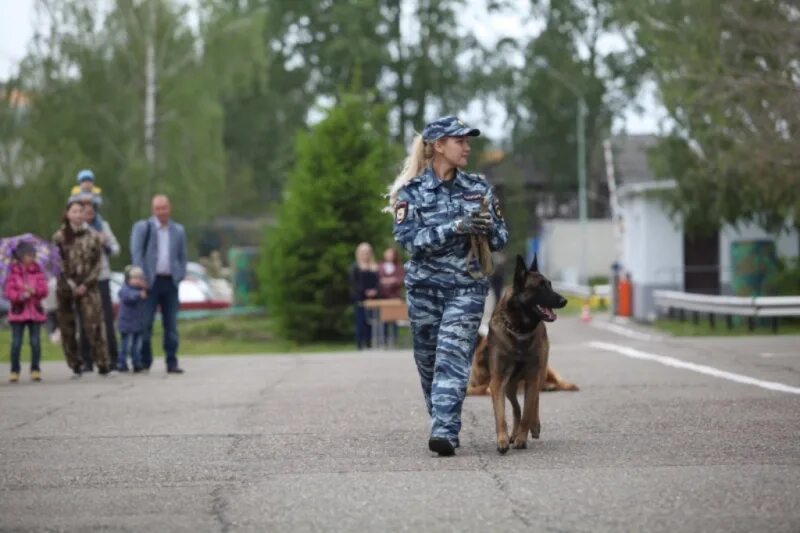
(426, 212)
(81, 260)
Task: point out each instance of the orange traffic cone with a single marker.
(586, 313)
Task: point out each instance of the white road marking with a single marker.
(779, 354)
(627, 332)
(701, 369)
(577, 346)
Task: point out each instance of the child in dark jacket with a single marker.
(131, 321)
(25, 288)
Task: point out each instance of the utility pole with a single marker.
(580, 133)
(616, 218)
(582, 207)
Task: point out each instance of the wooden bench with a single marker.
(385, 311)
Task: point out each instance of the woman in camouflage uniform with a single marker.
(76, 292)
(437, 208)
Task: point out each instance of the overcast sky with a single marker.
(17, 20)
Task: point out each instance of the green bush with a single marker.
(332, 202)
(598, 280)
(786, 281)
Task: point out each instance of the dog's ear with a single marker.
(535, 264)
(519, 274)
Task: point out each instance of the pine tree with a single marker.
(332, 202)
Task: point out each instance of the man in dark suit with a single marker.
(158, 246)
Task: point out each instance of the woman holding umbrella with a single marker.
(81, 257)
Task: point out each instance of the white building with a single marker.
(658, 255)
(573, 253)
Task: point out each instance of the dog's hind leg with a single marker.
(553, 381)
(511, 394)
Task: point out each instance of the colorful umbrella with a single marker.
(46, 254)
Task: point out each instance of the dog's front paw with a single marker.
(519, 442)
(535, 430)
(502, 443)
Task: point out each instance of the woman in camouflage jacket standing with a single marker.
(81, 257)
(438, 208)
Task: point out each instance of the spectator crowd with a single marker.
(74, 301)
(368, 281)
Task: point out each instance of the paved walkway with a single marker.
(338, 443)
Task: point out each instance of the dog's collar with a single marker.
(510, 327)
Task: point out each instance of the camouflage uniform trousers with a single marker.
(444, 324)
(90, 309)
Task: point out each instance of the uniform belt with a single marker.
(479, 288)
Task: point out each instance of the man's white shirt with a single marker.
(162, 259)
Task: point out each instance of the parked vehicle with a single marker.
(196, 291)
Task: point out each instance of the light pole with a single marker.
(582, 214)
(581, 157)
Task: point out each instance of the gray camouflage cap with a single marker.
(449, 126)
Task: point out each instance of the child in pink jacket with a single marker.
(25, 288)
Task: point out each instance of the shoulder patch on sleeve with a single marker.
(400, 212)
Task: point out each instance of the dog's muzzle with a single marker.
(547, 314)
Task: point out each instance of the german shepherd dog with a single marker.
(518, 351)
(479, 375)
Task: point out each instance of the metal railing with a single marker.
(752, 307)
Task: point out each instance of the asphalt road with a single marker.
(338, 443)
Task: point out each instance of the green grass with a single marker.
(50, 351)
(575, 305)
(210, 336)
(237, 335)
(241, 335)
(703, 328)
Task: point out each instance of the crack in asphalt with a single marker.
(220, 503)
(44, 415)
(125, 386)
(219, 507)
(53, 410)
(500, 484)
(504, 489)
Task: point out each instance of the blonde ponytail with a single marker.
(418, 157)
